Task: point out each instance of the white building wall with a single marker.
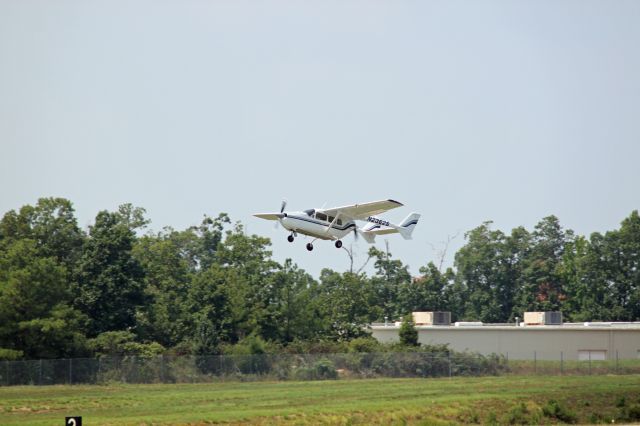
(541, 342)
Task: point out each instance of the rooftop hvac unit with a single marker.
(442, 318)
(543, 318)
(432, 318)
(553, 318)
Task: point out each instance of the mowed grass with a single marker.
(372, 401)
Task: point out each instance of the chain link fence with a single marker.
(199, 369)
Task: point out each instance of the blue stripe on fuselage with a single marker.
(316, 222)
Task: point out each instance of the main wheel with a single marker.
(290, 238)
(309, 246)
(338, 244)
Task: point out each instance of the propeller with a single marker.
(282, 214)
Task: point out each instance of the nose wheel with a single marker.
(309, 246)
(338, 244)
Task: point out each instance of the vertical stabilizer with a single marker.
(408, 224)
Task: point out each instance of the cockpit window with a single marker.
(310, 212)
(321, 216)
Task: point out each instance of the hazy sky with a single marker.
(465, 111)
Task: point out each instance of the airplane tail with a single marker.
(408, 224)
(371, 230)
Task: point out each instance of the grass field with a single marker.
(507, 399)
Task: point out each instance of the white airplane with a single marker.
(335, 223)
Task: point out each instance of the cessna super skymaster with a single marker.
(335, 223)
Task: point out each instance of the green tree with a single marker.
(489, 267)
(249, 257)
(110, 287)
(542, 285)
(209, 308)
(408, 333)
(391, 275)
(515, 251)
(429, 292)
(609, 277)
(132, 217)
(346, 303)
(625, 269)
(286, 303)
(166, 284)
(199, 244)
(35, 316)
(477, 263)
(583, 300)
(51, 224)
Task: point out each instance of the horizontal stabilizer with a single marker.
(368, 237)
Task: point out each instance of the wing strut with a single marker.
(335, 219)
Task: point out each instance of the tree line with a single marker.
(212, 288)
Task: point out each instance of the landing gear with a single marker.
(309, 246)
(338, 244)
(290, 238)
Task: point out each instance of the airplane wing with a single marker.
(268, 216)
(364, 210)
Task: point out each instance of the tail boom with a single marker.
(378, 227)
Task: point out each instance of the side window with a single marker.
(332, 218)
(321, 216)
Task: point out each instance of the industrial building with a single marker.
(541, 335)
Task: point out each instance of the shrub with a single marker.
(316, 347)
(364, 345)
(10, 354)
(556, 410)
(119, 343)
(408, 333)
(626, 414)
(185, 347)
(250, 355)
(518, 415)
(321, 370)
(634, 412)
(111, 343)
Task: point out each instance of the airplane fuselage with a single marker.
(303, 223)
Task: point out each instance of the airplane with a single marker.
(337, 222)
